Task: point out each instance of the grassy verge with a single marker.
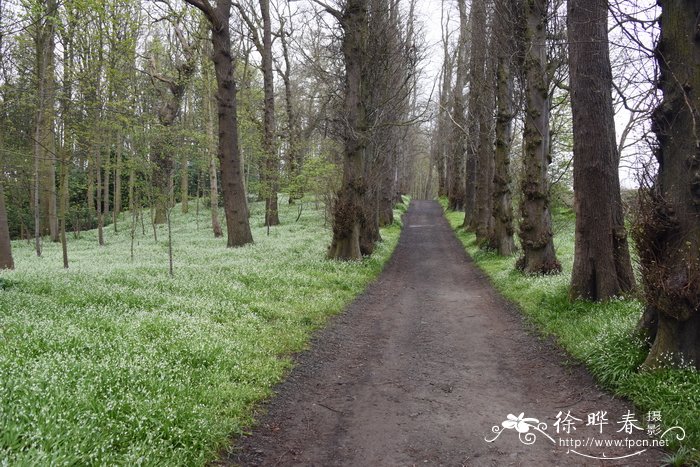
(113, 362)
(598, 334)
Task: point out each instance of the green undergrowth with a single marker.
(600, 335)
(113, 362)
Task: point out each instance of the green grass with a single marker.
(600, 335)
(113, 362)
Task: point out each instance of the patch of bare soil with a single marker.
(419, 369)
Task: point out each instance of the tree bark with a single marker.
(348, 212)
(667, 232)
(505, 36)
(235, 202)
(536, 225)
(6, 261)
(602, 266)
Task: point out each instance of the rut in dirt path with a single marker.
(420, 368)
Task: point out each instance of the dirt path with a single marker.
(420, 368)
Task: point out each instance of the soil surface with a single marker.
(421, 367)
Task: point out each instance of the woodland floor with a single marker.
(419, 369)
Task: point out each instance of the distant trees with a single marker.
(667, 234)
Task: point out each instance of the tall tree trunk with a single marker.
(6, 261)
(602, 266)
(269, 130)
(213, 170)
(235, 202)
(44, 144)
(667, 234)
(442, 145)
(536, 225)
(478, 44)
(348, 212)
(482, 80)
(294, 159)
(505, 36)
(36, 187)
(46, 70)
(456, 189)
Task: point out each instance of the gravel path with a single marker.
(419, 369)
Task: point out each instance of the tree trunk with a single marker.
(6, 261)
(98, 201)
(348, 211)
(184, 183)
(667, 232)
(269, 137)
(456, 189)
(444, 124)
(294, 159)
(235, 202)
(213, 170)
(105, 184)
(482, 78)
(505, 36)
(118, 183)
(536, 225)
(602, 267)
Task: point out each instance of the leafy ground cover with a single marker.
(113, 362)
(600, 335)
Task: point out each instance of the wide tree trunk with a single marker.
(6, 261)
(602, 266)
(667, 233)
(536, 226)
(348, 211)
(505, 36)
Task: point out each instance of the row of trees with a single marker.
(513, 65)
